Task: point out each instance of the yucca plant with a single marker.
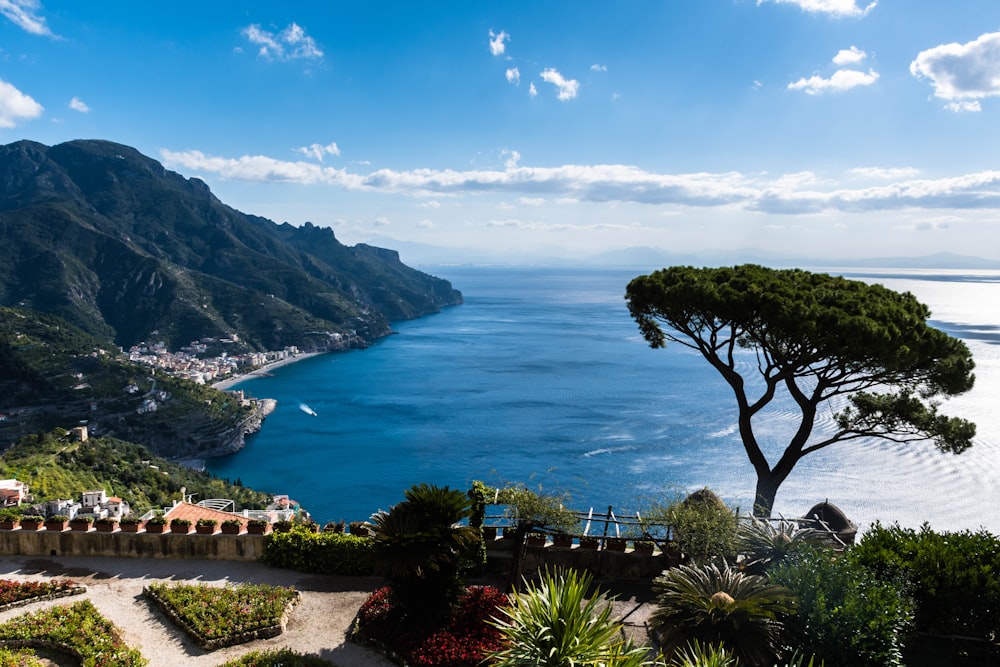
(764, 543)
(555, 624)
(420, 546)
(719, 605)
(696, 654)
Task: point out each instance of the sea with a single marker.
(542, 378)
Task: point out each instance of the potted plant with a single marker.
(130, 523)
(360, 528)
(156, 524)
(106, 524)
(205, 526)
(644, 547)
(182, 526)
(31, 522)
(257, 526)
(232, 527)
(615, 543)
(562, 540)
(282, 526)
(81, 523)
(489, 533)
(8, 519)
(589, 542)
(56, 522)
(536, 539)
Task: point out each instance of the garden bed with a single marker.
(216, 617)
(20, 593)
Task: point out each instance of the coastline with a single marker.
(263, 371)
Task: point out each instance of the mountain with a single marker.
(110, 240)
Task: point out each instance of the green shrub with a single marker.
(955, 577)
(283, 657)
(847, 615)
(319, 553)
(702, 526)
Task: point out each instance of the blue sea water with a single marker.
(541, 377)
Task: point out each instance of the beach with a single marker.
(263, 371)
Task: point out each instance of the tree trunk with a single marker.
(767, 490)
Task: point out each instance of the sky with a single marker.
(819, 128)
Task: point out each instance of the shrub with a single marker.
(702, 526)
(35, 518)
(955, 577)
(464, 639)
(719, 605)
(208, 522)
(83, 518)
(57, 518)
(24, 657)
(232, 522)
(180, 522)
(555, 623)
(157, 520)
(283, 657)
(107, 521)
(846, 614)
(319, 553)
(259, 523)
(9, 514)
(764, 543)
(130, 520)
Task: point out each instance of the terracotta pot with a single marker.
(105, 527)
(8, 525)
(230, 530)
(156, 527)
(79, 526)
(616, 544)
(256, 530)
(562, 541)
(205, 530)
(130, 527)
(57, 526)
(181, 530)
(643, 548)
(31, 525)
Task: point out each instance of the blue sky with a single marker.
(820, 128)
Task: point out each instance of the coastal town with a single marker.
(190, 362)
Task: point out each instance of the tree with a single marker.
(818, 340)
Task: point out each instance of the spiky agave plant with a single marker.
(719, 605)
(696, 654)
(555, 624)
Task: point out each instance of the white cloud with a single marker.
(851, 56)
(381, 222)
(972, 106)
(514, 76)
(883, 173)
(76, 104)
(24, 14)
(842, 80)
(16, 106)
(835, 8)
(531, 201)
(430, 204)
(610, 183)
(962, 73)
(292, 43)
(425, 224)
(497, 45)
(532, 90)
(568, 88)
(317, 151)
(510, 158)
(598, 68)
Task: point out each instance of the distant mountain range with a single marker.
(648, 258)
(108, 239)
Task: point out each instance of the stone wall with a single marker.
(131, 545)
(601, 563)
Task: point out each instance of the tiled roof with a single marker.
(193, 512)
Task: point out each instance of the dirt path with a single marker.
(317, 626)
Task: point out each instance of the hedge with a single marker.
(319, 553)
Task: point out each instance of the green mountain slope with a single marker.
(108, 239)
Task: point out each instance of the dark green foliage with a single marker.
(954, 577)
(110, 240)
(319, 553)
(53, 466)
(421, 547)
(815, 338)
(847, 614)
(719, 605)
(276, 657)
(701, 525)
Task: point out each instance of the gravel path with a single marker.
(317, 626)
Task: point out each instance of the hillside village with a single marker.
(188, 362)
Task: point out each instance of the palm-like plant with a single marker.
(720, 606)
(696, 654)
(420, 545)
(555, 624)
(764, 543)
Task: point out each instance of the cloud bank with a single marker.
(788, 194)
